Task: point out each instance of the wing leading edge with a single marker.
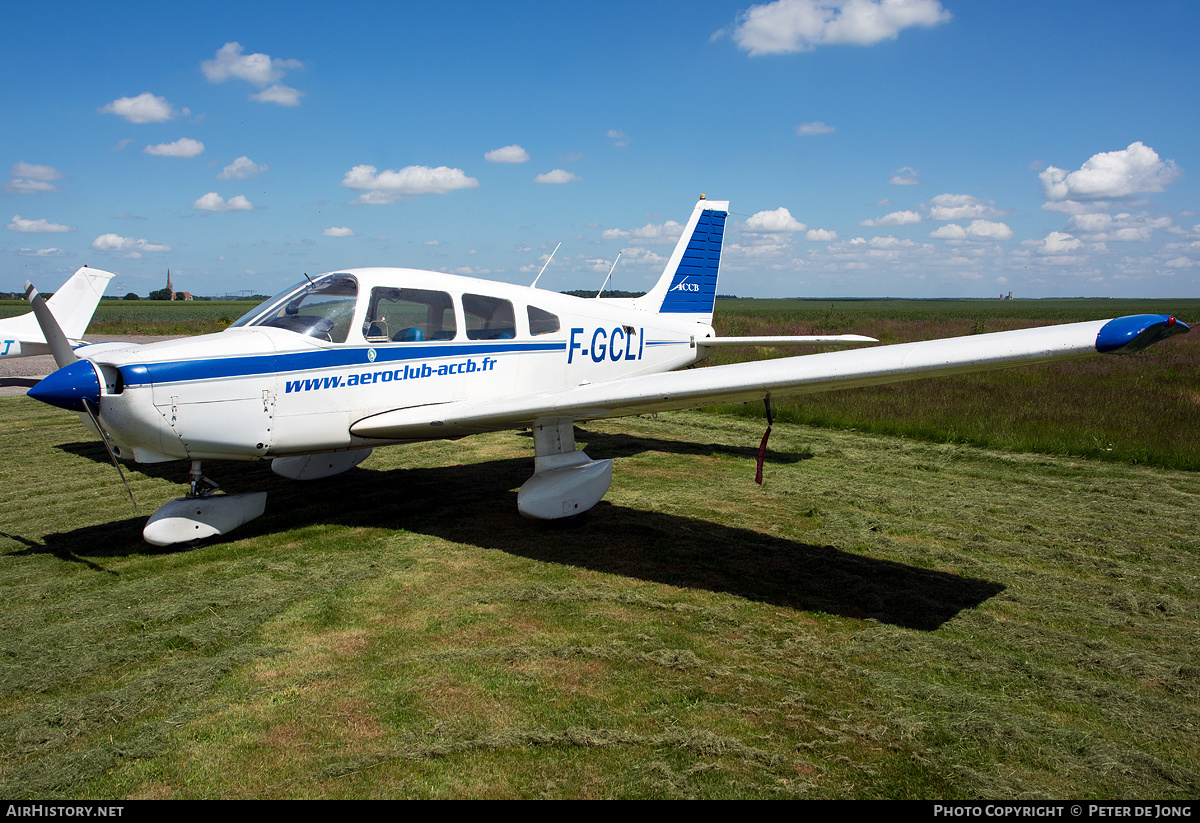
(806, 374)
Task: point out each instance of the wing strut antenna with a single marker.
(762, 447)
(533, 285)
(610, 271)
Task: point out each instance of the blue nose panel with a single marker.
(67, 387)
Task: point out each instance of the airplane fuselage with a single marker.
(280, 392)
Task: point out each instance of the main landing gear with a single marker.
(565, 481)
(203, 513)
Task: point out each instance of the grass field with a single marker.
(882, 618)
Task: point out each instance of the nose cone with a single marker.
(68, 386)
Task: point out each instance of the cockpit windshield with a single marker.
(322, 308)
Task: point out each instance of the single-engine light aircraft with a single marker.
(72, 306)
(338, 364)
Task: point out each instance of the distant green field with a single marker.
(154, 316)
(1057, 310)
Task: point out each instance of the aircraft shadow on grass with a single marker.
(474, 505)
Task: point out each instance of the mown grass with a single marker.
(882, 618)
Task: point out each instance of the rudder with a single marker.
(688, 285)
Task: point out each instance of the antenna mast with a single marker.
(548, 259)
(610, 271)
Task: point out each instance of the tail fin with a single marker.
(688, 285)
(74, 303)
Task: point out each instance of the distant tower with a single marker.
(170, 288)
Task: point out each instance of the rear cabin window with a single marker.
(542, 322)
(409, 315)
(488, 318)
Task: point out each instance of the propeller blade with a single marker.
(89, 407)
(60, 347)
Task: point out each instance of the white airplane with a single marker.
(336, 365)
(72, 306)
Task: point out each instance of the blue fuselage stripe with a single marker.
(181, 371)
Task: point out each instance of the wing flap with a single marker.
(791, 340)
(741, 382)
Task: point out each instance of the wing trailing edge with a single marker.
(741, 382)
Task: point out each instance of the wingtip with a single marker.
(1127, 335)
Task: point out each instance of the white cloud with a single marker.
(667, 232)
(556, 176)
(214, 202)
(39, 226)
(896, 218)
(960, 207)
(975, 230)
(1111, 175)
(904, 176)
(950, 231)
(145, 108)
(779, 220)
(1102, 227)
(29, 178)
(988, 229)
(814, 128)
(389, 186)
(129, 246)
(241, 169)
(257, 69)
(618, 137)
(1057, 242)
(801, 25)
(818, 235)
(183, 147)
(35, 172)
(338, 231)
(507, 154)
(890, 242)
(279, 94)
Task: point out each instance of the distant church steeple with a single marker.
(170, 288)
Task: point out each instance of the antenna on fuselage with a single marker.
(610, 271)
(533, 285)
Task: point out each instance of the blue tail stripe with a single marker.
(693, 289)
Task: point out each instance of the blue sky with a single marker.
(906, 148)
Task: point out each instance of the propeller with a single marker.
(64, 357)
(60, 347)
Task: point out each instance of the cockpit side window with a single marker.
(542, 322)
(322, 309)
(408, 315)
(488, 318)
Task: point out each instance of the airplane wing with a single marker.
(806, 374)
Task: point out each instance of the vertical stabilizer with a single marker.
(74, 303)
(688, 286)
